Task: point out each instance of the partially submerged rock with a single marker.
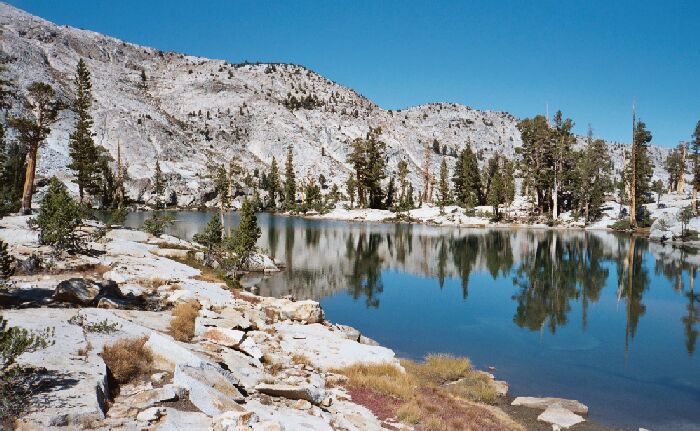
(559, 416)
(543, 403)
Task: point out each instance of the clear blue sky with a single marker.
(587, 58)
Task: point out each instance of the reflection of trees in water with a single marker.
(365, 277)
(633, 281)
(550, 276)
(288, 243)
(498, 252)
(465, 250)
(553, 268)
(674, 269)
(273, 236)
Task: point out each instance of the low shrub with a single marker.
(182, 323)
(128, 358)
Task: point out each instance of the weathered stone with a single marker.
(232, 421)
(170, 252)
(177, 420)
(543, 403)
(150, 414)
(353, 417)
(251, 345)
(327, 349)
(212, 389)
(292, 392)
(148, 398)
(267, 426)
(290, 418)
(168, 353)
(223, 337)
(300, 311)
(113, 304)
(559, 416)
(247, 370)
(78, 291)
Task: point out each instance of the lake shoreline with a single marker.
(129, 245)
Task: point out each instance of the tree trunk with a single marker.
(694, 202)
(221, 218)
(29, 180)
(555, 199)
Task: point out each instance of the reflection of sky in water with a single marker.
(592, 316)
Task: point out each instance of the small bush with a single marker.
(58, 218)
(157, 224)
(182, 323)
(128, 358)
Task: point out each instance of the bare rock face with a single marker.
(186, 103)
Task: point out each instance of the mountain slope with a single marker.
(193, 110)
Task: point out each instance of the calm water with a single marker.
(609, 320)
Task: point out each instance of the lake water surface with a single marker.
(607, 319)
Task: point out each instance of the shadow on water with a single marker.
(610, 319)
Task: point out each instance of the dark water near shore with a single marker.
(607, 319)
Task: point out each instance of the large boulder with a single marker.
(86, 292)
(300, 311)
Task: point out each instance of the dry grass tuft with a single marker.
(152, 284)
(439, 369)
(299, 359)
(474, 387)
(386, 379)
(182, 323)
(409, 413)
(127, 358)
(440, 394)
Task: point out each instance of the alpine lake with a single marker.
(611, 320)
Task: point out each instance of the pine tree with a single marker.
(496, 193)
(639, 170)
(273, 185)
(593, 178)
(390, 193)
(443, 186)
(33, 131)
(350, 187)
(675, 166)
(212, 234)
(535, 160)
(508, 179)
(158, 185)
(403, 181)
(467, 179)
(495, 189)
(6, 262)
(562, 161)
(290, 186)
(83, 153)
(242, 241)
(368, 157)
(221, 187)
(658, 187)
(695, 145)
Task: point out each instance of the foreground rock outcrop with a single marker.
(254, 363)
